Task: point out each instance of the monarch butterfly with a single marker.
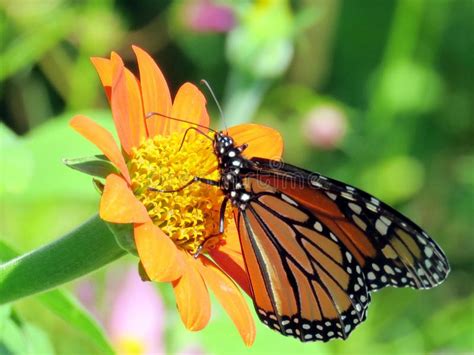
(315, 248)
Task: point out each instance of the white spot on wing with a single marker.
(245, 197)
(371, 207)
(316, 183)
(347, 196)
(318, 227)
(289, 200)
(355, 207)
(381, 227)
(385, 220)
(428, 252)
(388, 270)
(331, 195)
(375, 201)
(360, 223)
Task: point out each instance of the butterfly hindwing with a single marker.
(313, 287)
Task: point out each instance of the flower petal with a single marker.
(103, 140)
(263, 141)
(190, 105)
(229, 296)
(192, 297)
(229, 258)
(126, 105)
(104, 69)
(158, 254)
(155, 93)
(119, 205)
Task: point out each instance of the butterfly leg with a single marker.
(242, 147)
(221, 227)
(222, 215)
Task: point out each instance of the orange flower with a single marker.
(174, 232)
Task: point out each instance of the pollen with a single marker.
(190, 216)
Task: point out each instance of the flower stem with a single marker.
(87, 248)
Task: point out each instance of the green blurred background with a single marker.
(375, 93)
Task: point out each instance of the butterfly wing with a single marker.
(300, 277)
(391, 249)
(314, 247)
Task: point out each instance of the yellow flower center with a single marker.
(130, 346)
(189, 216)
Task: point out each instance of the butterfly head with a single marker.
(222, 144)
(227, 152)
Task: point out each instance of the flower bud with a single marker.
(325, 127)
(205, 16)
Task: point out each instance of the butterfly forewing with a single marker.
(391, 249)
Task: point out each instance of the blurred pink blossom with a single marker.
(325, 127)
(137, 320)
(205, 16)
(86, 292)
(191, 350)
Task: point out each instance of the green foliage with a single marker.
(18, 337)
(398, 71)
(59, 302)
(98, 165)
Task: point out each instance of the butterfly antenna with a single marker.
(151, 114)
(204, 82)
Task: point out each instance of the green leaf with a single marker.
(33, 171)
(123, 234)
(6, 252)
(16, 164)
(98, 165)
(65, 306)
(36, 340)
(5, 311)
(11, 337)
(141, 271)
(20, 337)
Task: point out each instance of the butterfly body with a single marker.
(231, 165)
(315, 248)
